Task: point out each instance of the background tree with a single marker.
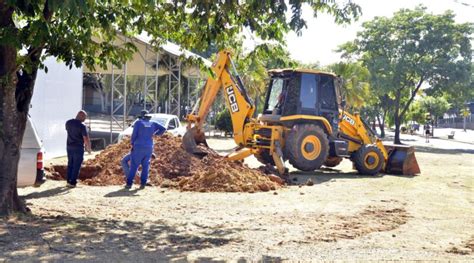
(436, 107)
(33, 29)
(253, 68)
(417, 113)
(411, 49)
(356, 86)
(457, 94)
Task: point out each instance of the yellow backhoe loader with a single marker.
(303, 121)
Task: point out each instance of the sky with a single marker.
(322, 36)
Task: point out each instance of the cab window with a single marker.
(327, 93)
(275, 92)
(308, 92)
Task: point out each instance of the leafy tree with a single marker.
(33, 29)
(435, 106)
(224, 121)
(411, 49)
(356, 86)
(457, 94)
(416, 113)
(253, 67)
(314, 65)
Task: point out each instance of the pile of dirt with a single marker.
(176, 168)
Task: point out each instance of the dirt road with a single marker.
(343, 216)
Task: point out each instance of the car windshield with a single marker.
(161, 121)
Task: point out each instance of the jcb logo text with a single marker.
(232, 99)
(348, 119)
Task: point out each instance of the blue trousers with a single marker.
(125, 165)
(139, 156)
(74, 162)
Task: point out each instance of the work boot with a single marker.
(68, 185)
(128, 187)
(142, 186)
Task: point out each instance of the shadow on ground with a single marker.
(331, 174)
(66, 238)
(442, 151)
(122, 192)
(47, 193)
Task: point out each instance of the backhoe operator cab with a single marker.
(307, 103)
(303, 92)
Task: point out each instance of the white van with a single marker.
(30, 166)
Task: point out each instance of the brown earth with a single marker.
(465, 248)
(174, 167)
(371, 219)
(342, 216)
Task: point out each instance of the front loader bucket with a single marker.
(401, 160)
(191, 139)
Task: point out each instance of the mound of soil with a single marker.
(176, 168)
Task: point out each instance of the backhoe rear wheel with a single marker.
(265, 157)
(368, 160)
(306, 147)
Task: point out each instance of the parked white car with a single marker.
(30, 166)
(169, 121)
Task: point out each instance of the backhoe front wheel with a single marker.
(306, 147)
(368, 160)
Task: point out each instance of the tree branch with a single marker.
(413, 94)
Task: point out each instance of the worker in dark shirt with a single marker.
(77, 138)
(142, 147)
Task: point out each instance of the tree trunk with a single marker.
(10, 139)
(15, 95)
(397, 118)
(396, 140)
(381, 122)
(435, 122)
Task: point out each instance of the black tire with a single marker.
(332, 161)
(310, 156)
(265, 157)
(368, 160)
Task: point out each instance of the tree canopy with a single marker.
(64, 28)
(356, 86)
(411, 50)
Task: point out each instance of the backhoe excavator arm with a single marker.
(237, 101)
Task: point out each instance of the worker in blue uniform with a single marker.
(125, 162)
(142, 147)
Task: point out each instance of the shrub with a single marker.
(224, 121)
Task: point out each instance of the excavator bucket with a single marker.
(191, 139)
(401, 160)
